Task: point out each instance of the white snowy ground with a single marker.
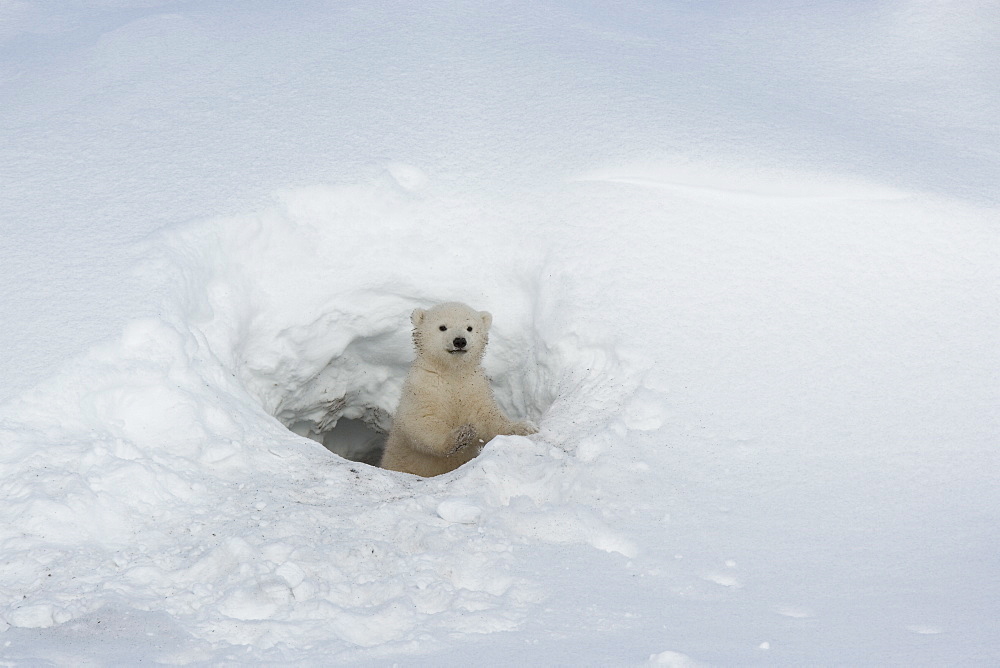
(743, 265)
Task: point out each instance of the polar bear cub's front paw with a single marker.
(461, 438)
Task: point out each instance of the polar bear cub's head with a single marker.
(451, 333)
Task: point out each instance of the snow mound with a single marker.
(182, 483)
(691, 362)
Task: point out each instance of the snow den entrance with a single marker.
(337, 380)
(355, 440)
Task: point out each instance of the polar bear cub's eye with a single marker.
(468, 329)
(443, 328)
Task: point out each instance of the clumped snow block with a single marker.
(447, 412)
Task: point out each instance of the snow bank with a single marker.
(167, 472)
(761, 354)
(159, 472)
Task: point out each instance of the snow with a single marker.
(742, 262)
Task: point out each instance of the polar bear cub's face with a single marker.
(451, 333)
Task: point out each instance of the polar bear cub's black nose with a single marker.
(459, 342)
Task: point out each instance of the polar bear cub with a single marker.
(447, 411)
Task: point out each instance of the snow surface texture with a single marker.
(743, 269)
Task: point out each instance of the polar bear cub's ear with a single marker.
(487, 319)
(417, 316)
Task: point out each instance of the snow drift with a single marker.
(296, 317)
(742, 266)
(160, 473)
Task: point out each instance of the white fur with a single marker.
(447, 412)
